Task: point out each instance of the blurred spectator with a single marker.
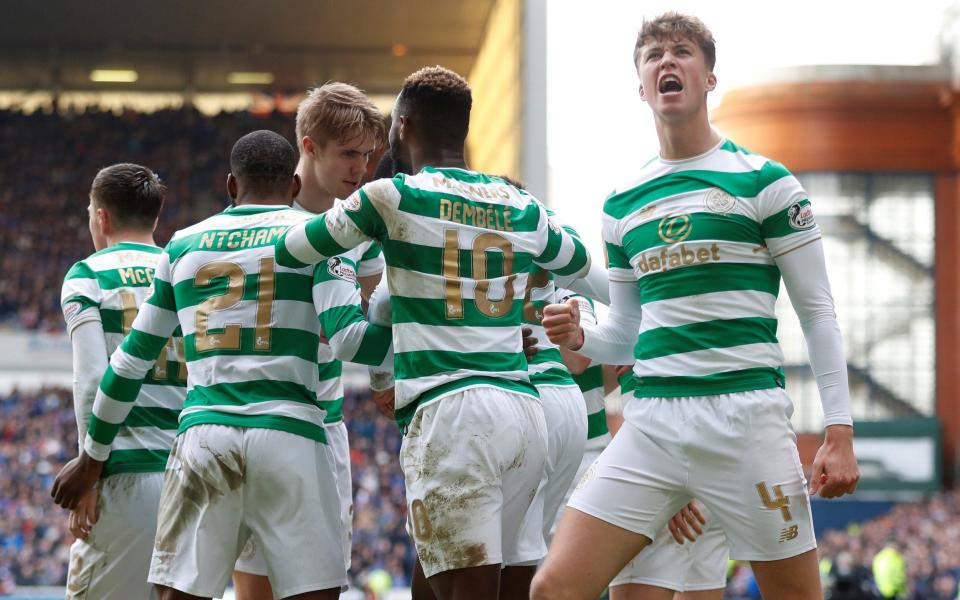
(37, 436)
(49, 161)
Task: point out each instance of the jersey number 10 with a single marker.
(453, 285)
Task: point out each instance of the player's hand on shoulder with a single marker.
(561, 322)
(86, 514)
(835, 470)
(76, 478)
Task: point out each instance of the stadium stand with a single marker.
(38, 435)
(49, 162)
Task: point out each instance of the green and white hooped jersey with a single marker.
(336, 294)
(338, 281)
(590, 381)
(250, 331)
(699, 238)
(109, 287)
(458, 246)
(546, 367)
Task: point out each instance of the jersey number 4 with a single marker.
(453, 285)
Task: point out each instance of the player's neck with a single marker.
(440, 158)
(261, 201)
(313, 196)
(687, 138)
(131, 236)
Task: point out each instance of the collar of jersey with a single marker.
(127, 246)
(252, 209)
(433, 169)
(681, 161)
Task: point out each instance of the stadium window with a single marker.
(879, 242)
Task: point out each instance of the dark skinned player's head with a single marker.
(263, 167)
(431, 116)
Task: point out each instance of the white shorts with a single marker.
(565, 413)
(472, 463)
(735, 453)
(112, 563)
(251, 558)
(591, 452)
(694, 566)
(224, 484)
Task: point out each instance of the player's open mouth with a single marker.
(351, 183)
(669, 84)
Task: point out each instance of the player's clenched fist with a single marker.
(562, 324)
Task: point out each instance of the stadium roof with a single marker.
(176, 45)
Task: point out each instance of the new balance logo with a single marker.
(789, 533)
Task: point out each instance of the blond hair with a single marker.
(672, 24)
(338, 111)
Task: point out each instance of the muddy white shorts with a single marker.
(472, 462)
(694, 566)
(251, 558)
(112, 563)
(565, 414)
(735, 453)
(224, 484)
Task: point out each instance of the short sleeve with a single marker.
(786, 216)
(80, 296)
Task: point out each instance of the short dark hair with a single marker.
(673, 24)
(263, 161)
(132, 195)
(442, 101)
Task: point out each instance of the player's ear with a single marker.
(642, 95)
(711, 82)
(231, 186)
(103, 222)
(308, 147)
(295, 186)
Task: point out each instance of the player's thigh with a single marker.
(714, 594)
(201, 511)
(794, 578)
(293, 510)
(699, 565)
(637, 483)
(640, 591)
(570, 571)
(250, 581)
(248, 586)
(748, 474)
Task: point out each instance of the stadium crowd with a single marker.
(38, 434)
(49, 162)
